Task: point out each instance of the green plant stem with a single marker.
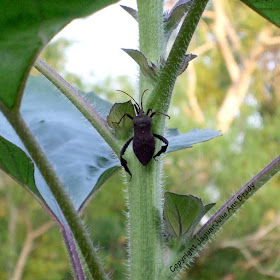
(80, 234)
(80, 103)
(145, 219)
(145, 189)
(151, 35)
(216, 222)
(169, 73)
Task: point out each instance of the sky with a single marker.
(97, 41)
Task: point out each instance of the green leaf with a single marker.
(209, 206)
(118, 110)
(148, 69)
(131, 11)
(26, 27)
(185, 63)
(182, 213)
(269, 9)
(79, 155)
(18, 165)
(179, 141)
(173, 18)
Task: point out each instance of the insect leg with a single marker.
(163, 148)
(159, 113)
(136, 106)
(123, 161)
(148, 112)
(123, 117)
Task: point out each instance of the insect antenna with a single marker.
(142, 98)
(130, 97)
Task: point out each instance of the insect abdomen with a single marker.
(144, 149)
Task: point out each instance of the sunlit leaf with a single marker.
(269, 9)
(26, 27)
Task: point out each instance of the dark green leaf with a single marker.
(131, 11)
(209, 206)
(26, 27)
(185, 63)
(182, 141)
(269, 9)
(173, 18)
(123, 129)
(17, 164)
(182, 213)
(148, 69)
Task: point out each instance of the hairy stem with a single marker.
(80, 103)
(63, 200)
(215, 223)
(151, 34)
(145, 189)
(73, 253)
(169, 73)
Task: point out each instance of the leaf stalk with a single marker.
(80, 103)
(80, 234)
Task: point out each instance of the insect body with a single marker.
(143, 138)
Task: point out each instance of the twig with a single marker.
(28, 245)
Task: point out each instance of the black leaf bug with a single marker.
(143, 138)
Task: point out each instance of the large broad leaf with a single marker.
(81, 158)
(270, 9)
(79, 155)
(26, 27)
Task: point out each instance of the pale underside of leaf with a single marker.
(82, 159)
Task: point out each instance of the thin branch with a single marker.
(250, 259)
(215, 223)
(220, 25)
(237, 91)
(199, 51)
(209, 14)
(257, 182)
(28, 245)
(196, 112)
(272, 40)
(232, 35)
(262, 232)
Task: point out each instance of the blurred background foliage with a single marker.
(233, 85)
